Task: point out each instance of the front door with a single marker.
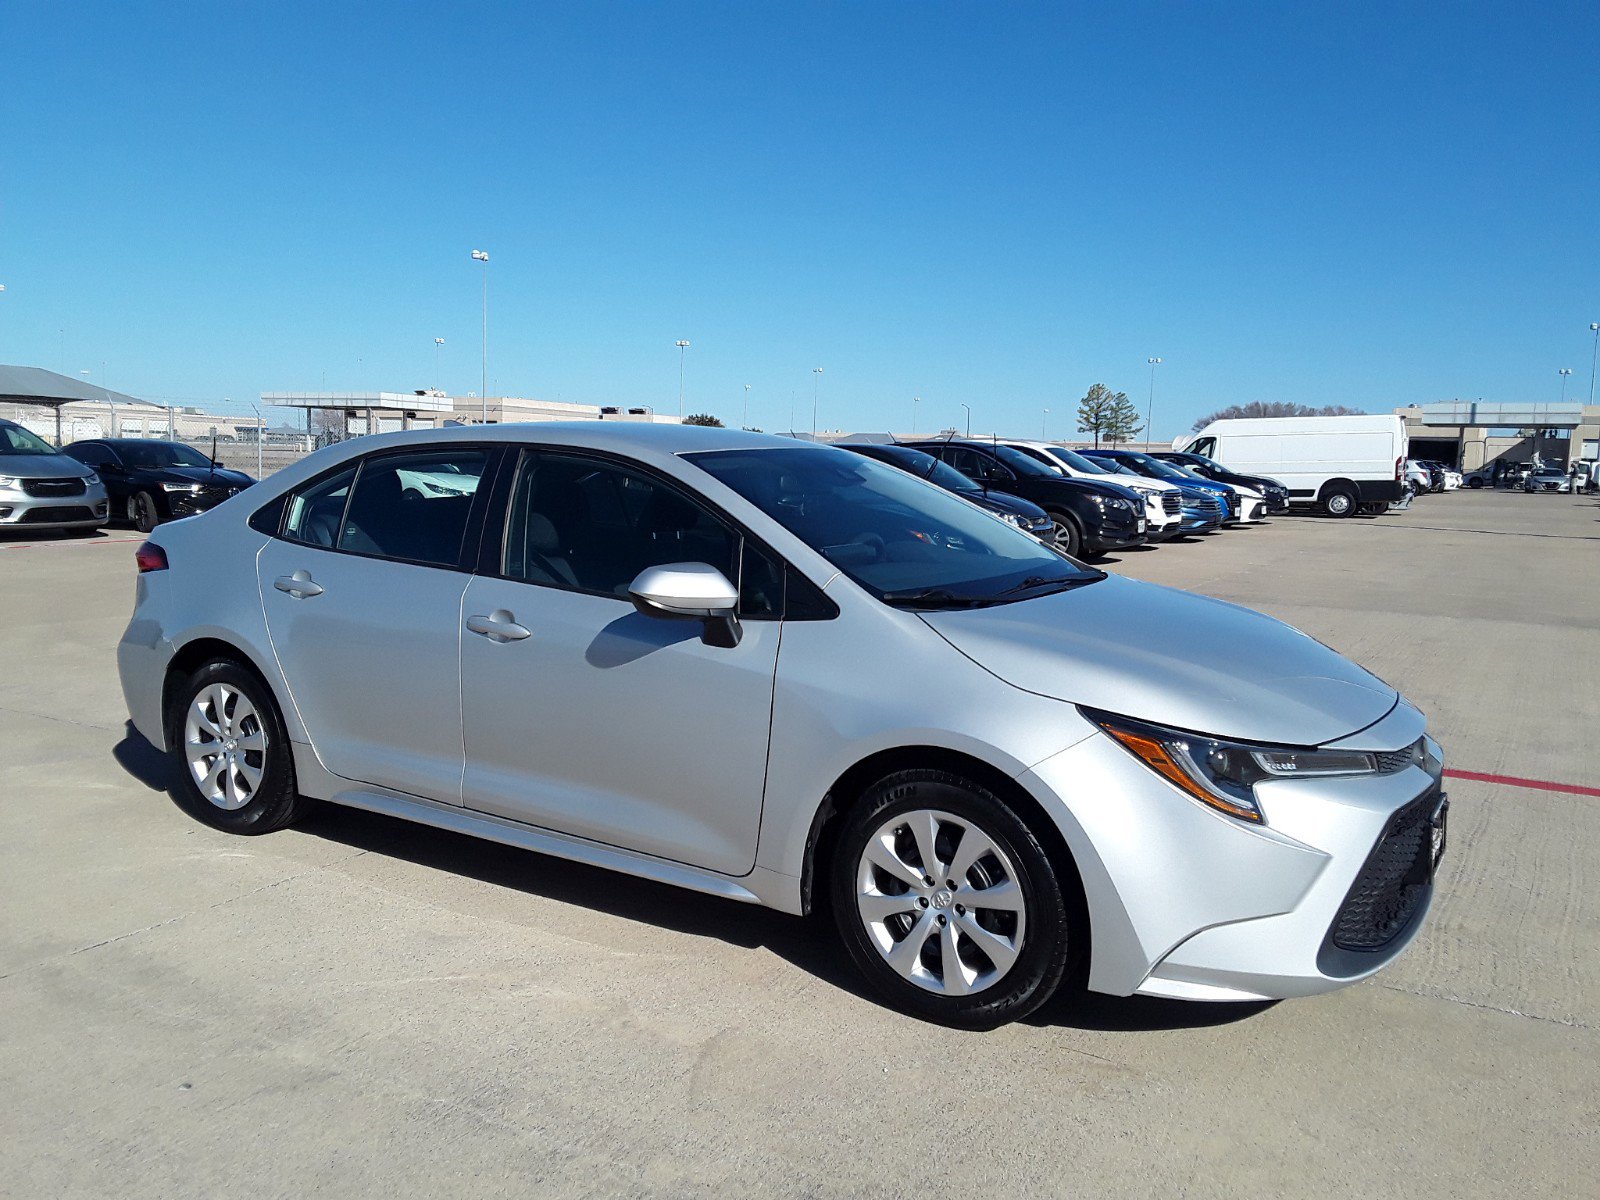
(584, 716)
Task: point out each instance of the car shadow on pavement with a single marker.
(808, 943)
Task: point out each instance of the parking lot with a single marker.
(363, 1007)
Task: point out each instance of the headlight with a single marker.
(190, 488)
(1014, 519)
(91, 479)
(1223, 774)
(10, 481)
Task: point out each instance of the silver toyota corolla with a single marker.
(786, 674)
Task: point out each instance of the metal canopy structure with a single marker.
(403, 404)
(1503, 414)
(35, 385)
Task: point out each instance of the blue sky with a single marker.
(999, 205)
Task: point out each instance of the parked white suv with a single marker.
(1163, 501)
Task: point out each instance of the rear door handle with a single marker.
(300, 585)
(499, 626)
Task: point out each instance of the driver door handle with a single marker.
(499, 626)
(300, 585)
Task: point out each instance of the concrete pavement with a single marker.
(359, 1007)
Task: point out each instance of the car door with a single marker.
(362, 597)
(585, 716)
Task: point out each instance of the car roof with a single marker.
(620, 436)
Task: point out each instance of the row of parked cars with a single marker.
(1088, 502)
(90, 483)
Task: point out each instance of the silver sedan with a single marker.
(788, 675)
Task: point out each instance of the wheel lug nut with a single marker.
(928, 880)
(923, 902)
(961, 908)
(941, 918)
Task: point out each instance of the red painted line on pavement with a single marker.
(1543, 785)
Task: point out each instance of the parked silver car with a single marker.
(41, 488)
(786, 674)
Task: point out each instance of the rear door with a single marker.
(362, 595)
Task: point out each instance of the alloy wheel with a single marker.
(941, 902)
(225, 744)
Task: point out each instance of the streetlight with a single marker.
(1594, 356)
(1564, 372)
(483, 394)
(1043, 425)
(438, 344)
(1149, 412)
(682, 346)
(969, 419)
(746, 406)
(915, 400)
(816, 386)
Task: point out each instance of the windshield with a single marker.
(1079, 462)
(902, 539)
(1022, 464)
(928, 467)
(14, 439)
(1159, 469)
(161, 454)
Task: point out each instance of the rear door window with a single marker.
(413, 507)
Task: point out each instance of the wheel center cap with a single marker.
(941, 898)
(230, 744)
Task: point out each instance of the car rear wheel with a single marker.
(142, 514)
(236, 771)
(1339, 501)
(1069, 538)
(947, 903)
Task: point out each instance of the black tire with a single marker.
(1474, 483)
(276, 802)
(142, 512)
(1069, 537)
(1340, 501)
(1051, 935)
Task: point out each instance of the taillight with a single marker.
(1399, 469)
(150, 557)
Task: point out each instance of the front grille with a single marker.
(55, 487)
(53, 514)
(1171, 503)
(1393, 881)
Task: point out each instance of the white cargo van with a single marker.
(1339, 463)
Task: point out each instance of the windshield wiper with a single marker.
(1059, 582)
(934, 598)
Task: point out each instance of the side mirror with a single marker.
(690, 592)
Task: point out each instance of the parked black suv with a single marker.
(1011, 509)
(1275, 493)
(1089, 517)
(150, 481)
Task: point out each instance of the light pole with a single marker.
(816, 387)
(915, 401)
(261, 434)
(483, 384)
(1564, 372)
(1594, 356)
(746, 406)
(1149, 412)
(1044, 424)
(683, 347)
(438, 344)
(969, 418)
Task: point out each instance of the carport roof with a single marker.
(35, 385)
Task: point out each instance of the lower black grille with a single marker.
(1392, 883)
(53, 514)
(54, 487)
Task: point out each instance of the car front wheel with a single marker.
(947, 902)
(1339, 502)
(1069, 539)
(236, 771)
(142, 514)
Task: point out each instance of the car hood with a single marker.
(1005, 502)
(195, 475)
(1095, 487)
(1173, 658)
(42, 466)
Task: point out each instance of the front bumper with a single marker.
(86, 510)
(189, 504)
(1187, 903)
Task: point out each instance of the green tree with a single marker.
(1108, 415)
(703, 419)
